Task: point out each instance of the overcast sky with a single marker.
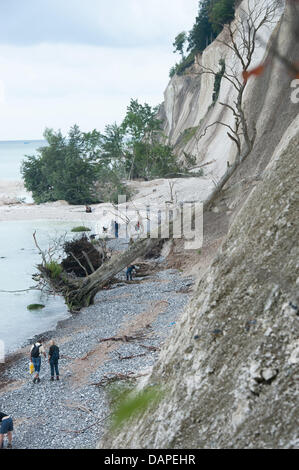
(73, 61)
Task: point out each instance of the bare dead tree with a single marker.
(241, 38)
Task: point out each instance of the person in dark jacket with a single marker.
(130, 270)
(6, 427)
(116, 228)
(53, 360)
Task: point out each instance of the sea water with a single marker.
(18, 259)
(11, 155)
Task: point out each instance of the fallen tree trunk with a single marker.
(80, 292)
(84, 296)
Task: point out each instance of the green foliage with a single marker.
(81, 229)
(201, 35)
(218, 79)
(69, 167)
(145, 154)
(35, 307)
(141, 121)
(179, 43)
(126, 404)
(64, 169)
(179, 69)
(86, 168)
(221, 13)
(54, 269)
(212, 15)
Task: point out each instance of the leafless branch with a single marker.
(88, 261)
(78, 261)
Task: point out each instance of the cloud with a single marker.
(120, 23)
(59, 85)
(68, 61)
(2, 92)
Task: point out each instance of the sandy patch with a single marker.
(83, 367)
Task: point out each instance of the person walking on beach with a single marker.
(6, 427)
(36, 352)
(116, 228)
(53, 360)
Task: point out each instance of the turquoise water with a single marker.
(11, 155)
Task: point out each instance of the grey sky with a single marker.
(67, 61)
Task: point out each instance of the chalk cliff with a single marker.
(231, 366)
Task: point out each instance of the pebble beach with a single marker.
(72, 413)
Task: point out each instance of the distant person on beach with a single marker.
(88, 209)
(130, 270)
(6, 427)
(36, 352)
(116, 228)
(53, 359)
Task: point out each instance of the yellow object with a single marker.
(31, 368)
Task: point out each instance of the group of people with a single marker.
(36, 352)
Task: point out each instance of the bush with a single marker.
(218, 79)
(180, 68)
(125, 403)
(54, 269)
(35, 307)
(80, 229)
(65, 169)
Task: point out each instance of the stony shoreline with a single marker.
(72, 413)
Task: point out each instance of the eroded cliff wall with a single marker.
(231, 367)
(188, 108)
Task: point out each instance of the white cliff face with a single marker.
(231, 365)
(230, 369)
(188, 98)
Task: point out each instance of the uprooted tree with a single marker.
(79, 292)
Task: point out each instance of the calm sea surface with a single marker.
(11, 155)
(18, 258)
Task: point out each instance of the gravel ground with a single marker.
(47, 414)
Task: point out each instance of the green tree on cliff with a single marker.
(146, 155)
(179, 43)
(212, 15)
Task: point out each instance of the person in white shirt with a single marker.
(36, 352)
